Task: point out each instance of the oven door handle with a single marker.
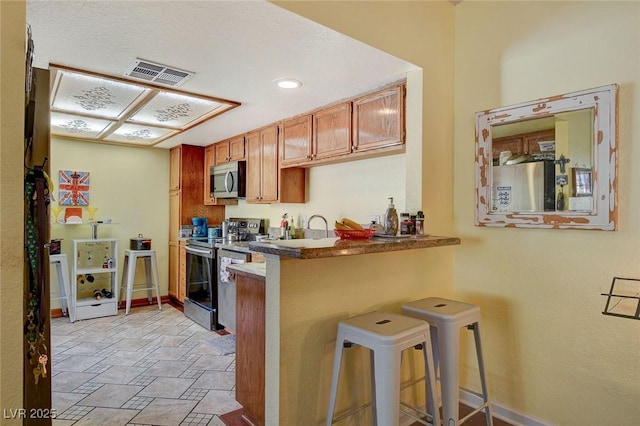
(199, 251)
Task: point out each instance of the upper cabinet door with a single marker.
(332, 131)
(295, 141)
(236, 148)
(222, 152)
(254, 167)
(269, 138)
(378, 119)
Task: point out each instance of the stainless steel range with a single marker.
(200, 303)
(207, 300)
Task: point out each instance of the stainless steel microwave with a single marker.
(229, 180)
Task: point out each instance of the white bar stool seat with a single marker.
(129, 272)
(386, 335)
(64, 286)
(446, 317)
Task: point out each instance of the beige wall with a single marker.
(130, 186)
(12, 48)
(551, 353)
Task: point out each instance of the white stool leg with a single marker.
(66, 285)
(131, 273)
(61, 288)
(147, 273)
(483, 377)
(335, 376)
(123, 281)
(430, 382)
(154, 269)
(387, 372)
(449, 347)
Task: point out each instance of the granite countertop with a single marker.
(332, 247)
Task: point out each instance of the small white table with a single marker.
(64, 292)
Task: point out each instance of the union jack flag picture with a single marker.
(74, 188)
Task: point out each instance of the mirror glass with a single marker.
(549, 163)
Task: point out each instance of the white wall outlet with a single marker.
(374, 218)
(304, 221)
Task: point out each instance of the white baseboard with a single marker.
(501, 412)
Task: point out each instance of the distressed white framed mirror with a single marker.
(549, 163)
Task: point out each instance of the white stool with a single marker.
(446, 317)
(386, 335)
(129, 272)
(64, 286)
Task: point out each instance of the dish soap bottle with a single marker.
(391, 219)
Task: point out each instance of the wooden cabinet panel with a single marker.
(378, 119)
(295, 141)
(236, 148)
(229, 150)
(250, 347)
(182, 271)
(174, 271)
(332, 131)
(174, 170)
(209, 160)
(174, 215)
(262, 165)
(254, 167)
(269, 164)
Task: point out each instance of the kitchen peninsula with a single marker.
(308, 286)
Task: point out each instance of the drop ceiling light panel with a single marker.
(108, 109)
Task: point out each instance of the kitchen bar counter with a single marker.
(291, 307)
(333, 247)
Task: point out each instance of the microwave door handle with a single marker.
(226, 181)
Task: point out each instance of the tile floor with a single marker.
(150, 367)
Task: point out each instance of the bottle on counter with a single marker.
(284, 224)
(391, 219)
(420, 223)
(405, 224)
(378, 229)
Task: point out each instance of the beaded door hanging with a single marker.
(37, 194)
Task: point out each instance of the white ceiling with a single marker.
(236, 49)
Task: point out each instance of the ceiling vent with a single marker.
(157, 73)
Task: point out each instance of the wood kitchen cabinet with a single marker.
(262, 165)
(378, 119)
(230, 150)
(324, 134)
(332, 131)
(186, 186)
(177, 270)
(525, 143)
(368, 126)
(295, 141)
(266, 182)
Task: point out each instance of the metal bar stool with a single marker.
(386, 335)
(129, 272)
(64, 286)
(446, 317)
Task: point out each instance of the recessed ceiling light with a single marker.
(287, 83)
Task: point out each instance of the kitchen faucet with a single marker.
(326, 225)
